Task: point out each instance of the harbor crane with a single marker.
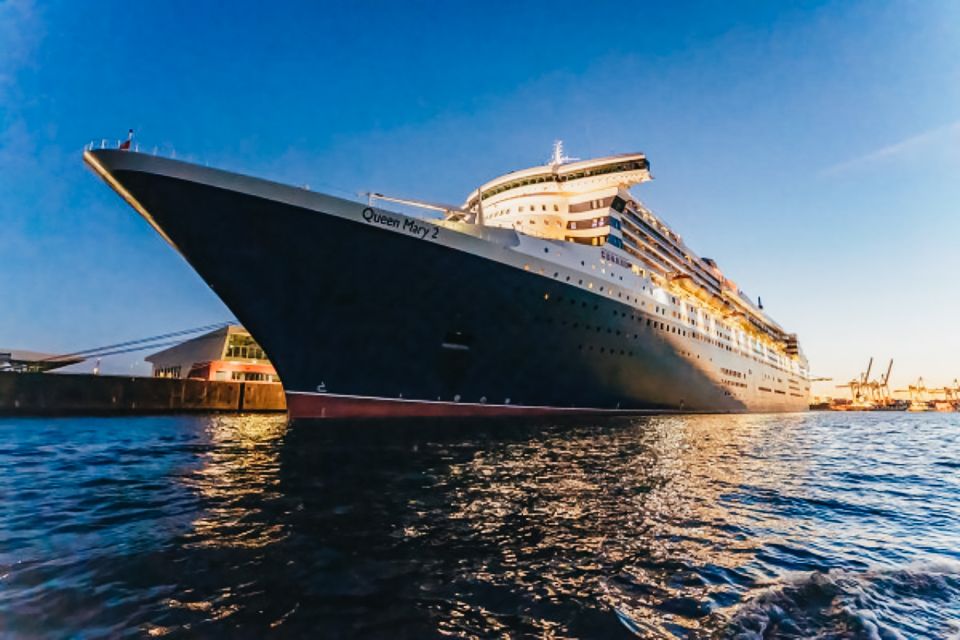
(858, 385)
(918, 395)
(880, 389)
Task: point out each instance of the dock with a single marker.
(36, 394)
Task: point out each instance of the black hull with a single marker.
(353, 310)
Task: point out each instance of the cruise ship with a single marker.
(551, 290)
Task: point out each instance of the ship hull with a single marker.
(370, 314)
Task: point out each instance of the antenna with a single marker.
(558, 157)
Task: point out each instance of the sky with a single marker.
(811, 148)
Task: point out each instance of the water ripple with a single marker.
(819, 525)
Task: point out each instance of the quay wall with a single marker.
(59, 394)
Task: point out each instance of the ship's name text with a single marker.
(614, 258)
(408, 225)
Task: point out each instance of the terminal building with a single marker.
(229, 353)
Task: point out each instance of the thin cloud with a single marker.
(896, 149)
(20, 33)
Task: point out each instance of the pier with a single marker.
(30, 394)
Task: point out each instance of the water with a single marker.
(821, 525)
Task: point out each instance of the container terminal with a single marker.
(874, 394)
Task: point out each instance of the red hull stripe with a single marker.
(302, 405)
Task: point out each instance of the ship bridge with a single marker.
(565, 199)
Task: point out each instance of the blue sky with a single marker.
(812, 149)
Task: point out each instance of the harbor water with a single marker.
(822, 525)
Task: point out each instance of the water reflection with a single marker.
(238, 483)
(659, 527)
(631, 517)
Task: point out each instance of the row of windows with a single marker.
(732, 373)
(167, 372)
(521, 209)
(597, 241)
(545, 221)
(667, 246)
(254, 376)
(660, 325)
(243, 346)
(594, 241)
(591, 223)
(707, 318)
(533, 208)
(656, 324)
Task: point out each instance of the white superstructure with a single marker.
(589, 202)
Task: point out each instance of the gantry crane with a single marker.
(858, 386)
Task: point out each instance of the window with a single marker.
(243, 346)
(252, 376)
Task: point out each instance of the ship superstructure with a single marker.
(550, 290)
(589, 202)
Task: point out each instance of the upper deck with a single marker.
(584, 176)
(589, 202)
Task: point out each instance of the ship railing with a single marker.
(109, 143)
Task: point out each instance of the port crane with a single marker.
(859, 384)
(951, 397)
(918, 395)
(880, 389)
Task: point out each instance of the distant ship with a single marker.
(551, 290)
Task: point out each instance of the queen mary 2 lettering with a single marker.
(409, 225)
(550, 290)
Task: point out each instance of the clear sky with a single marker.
(812, 149)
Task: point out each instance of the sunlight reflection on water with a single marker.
(707, 526)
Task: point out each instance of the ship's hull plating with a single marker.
(366, 315)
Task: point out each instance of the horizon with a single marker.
(829, 190)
